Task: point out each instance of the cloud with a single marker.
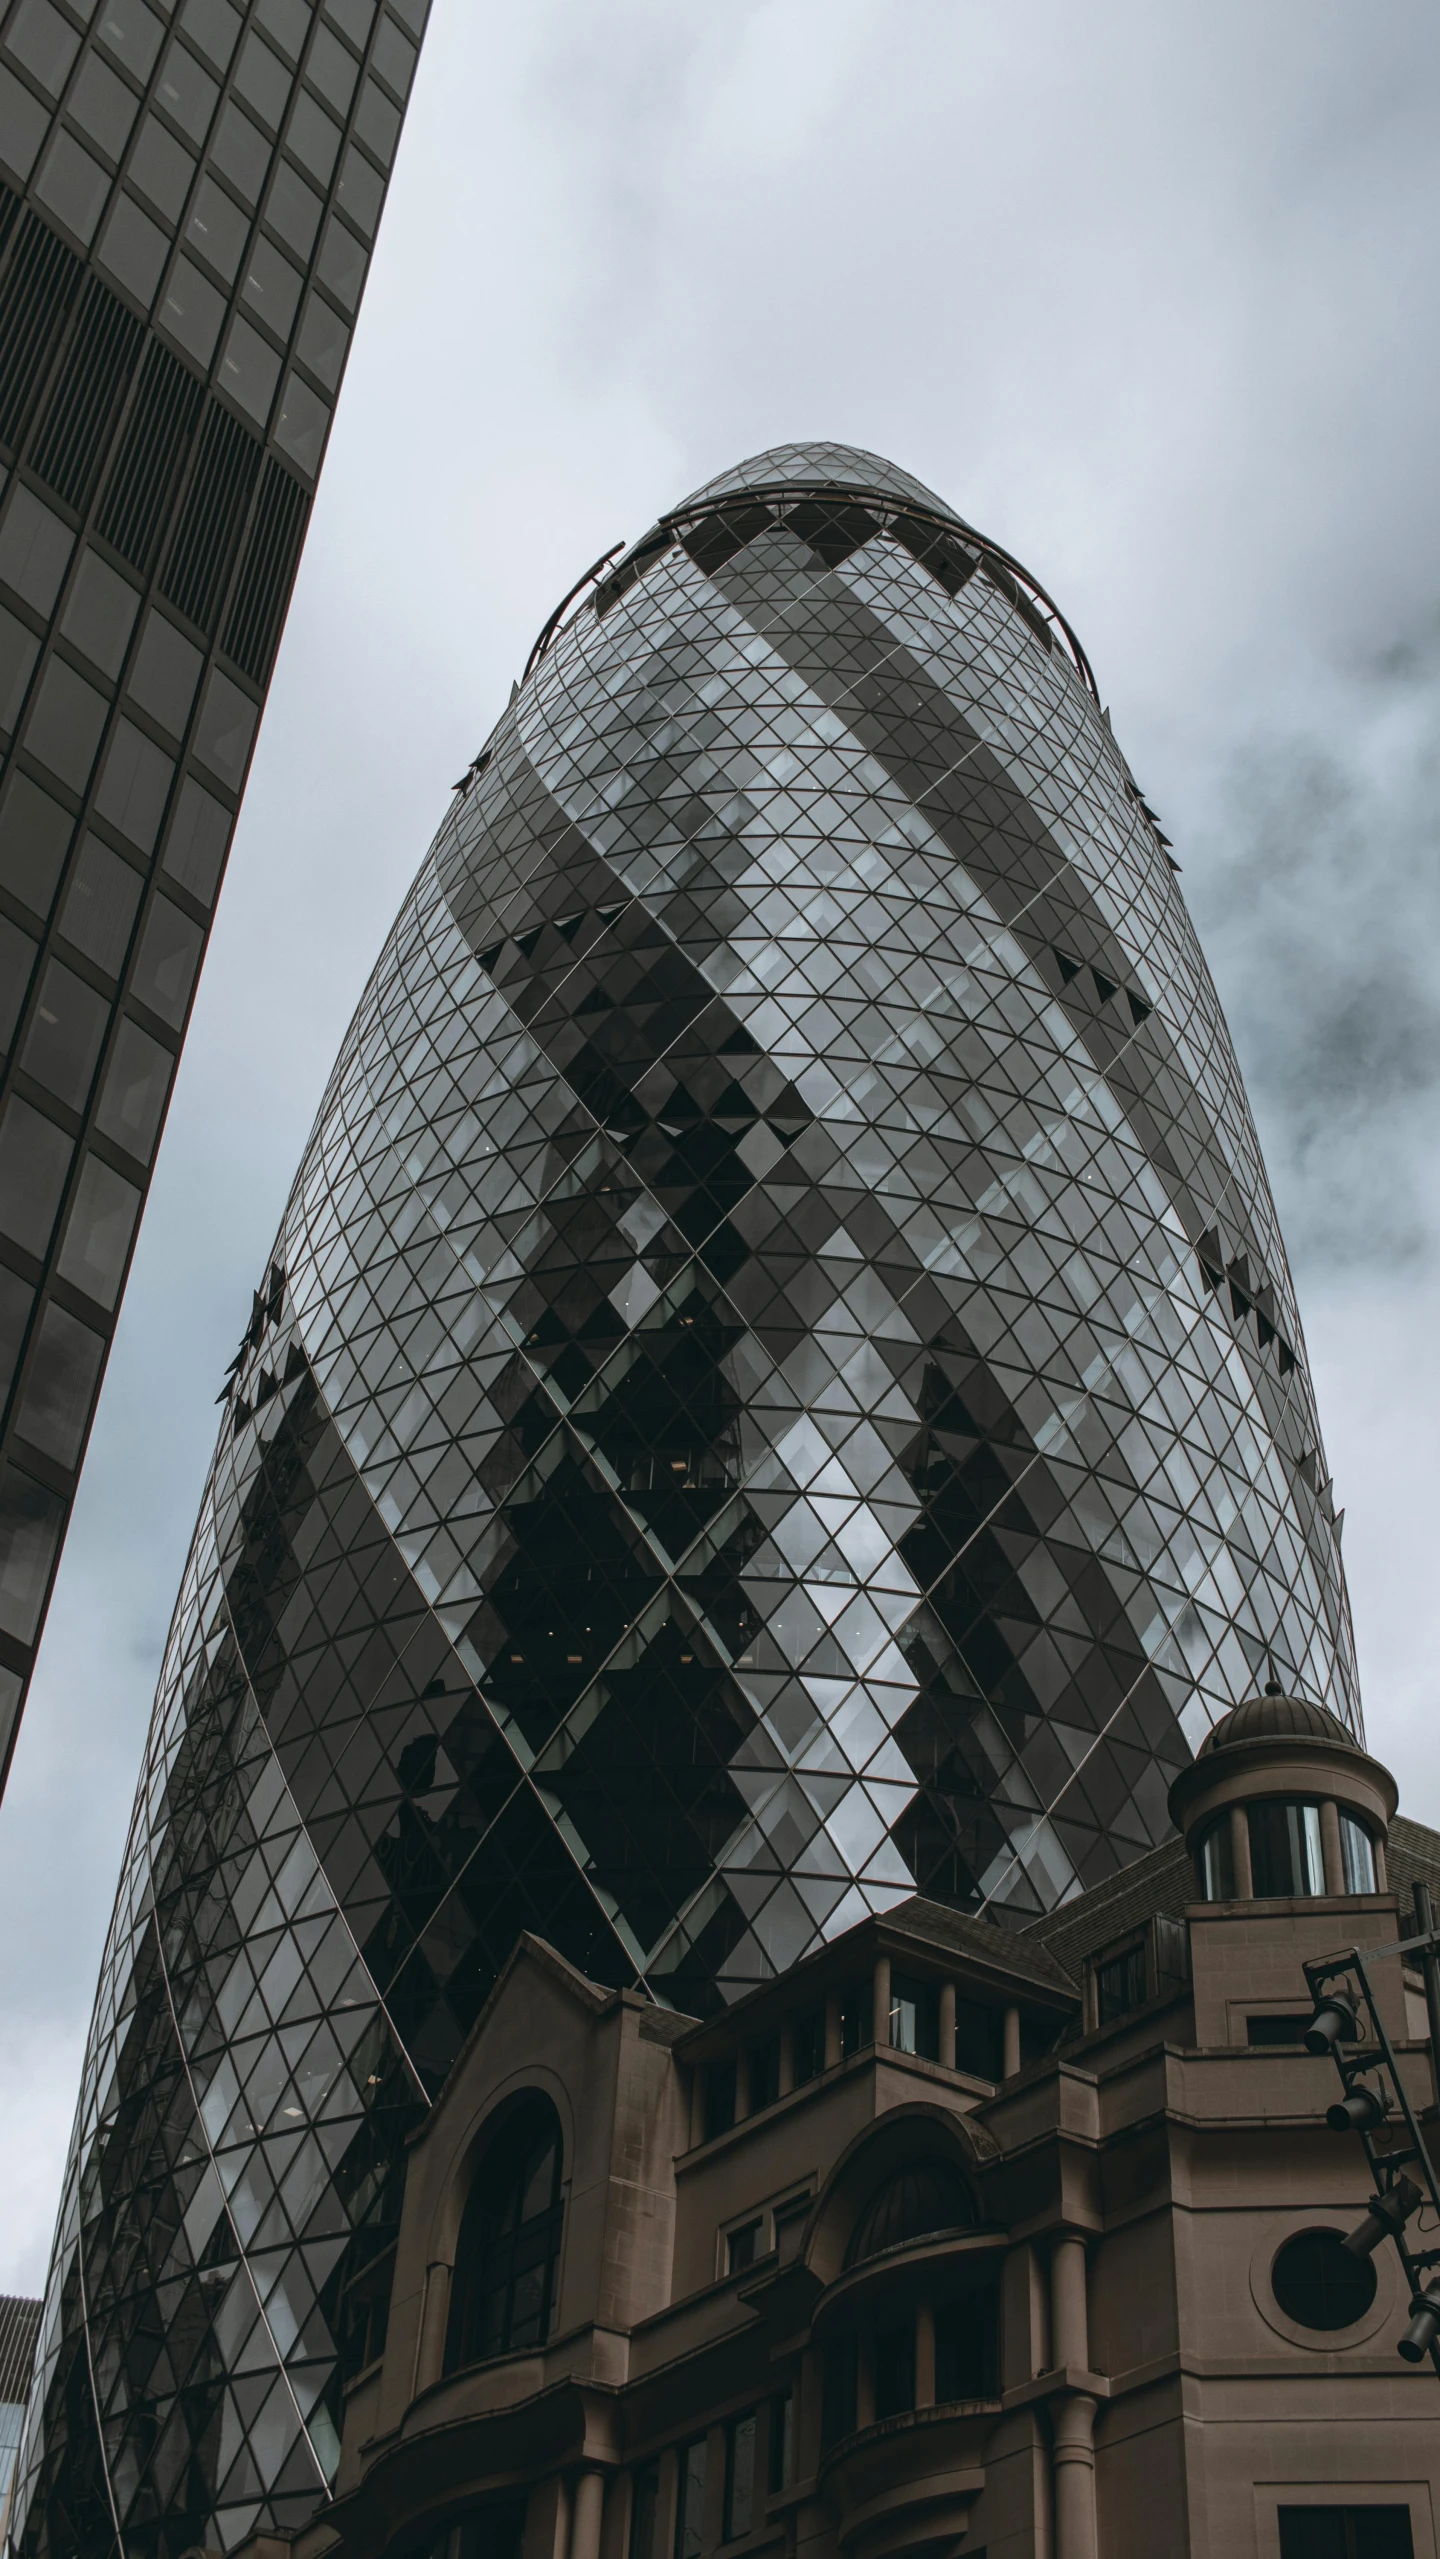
(1316, 888)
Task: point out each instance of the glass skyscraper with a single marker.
(777, 1388)
(189, 193)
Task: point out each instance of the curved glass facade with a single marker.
(778, 1387)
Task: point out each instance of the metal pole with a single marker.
(1430, 1966)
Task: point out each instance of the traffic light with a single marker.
(1333, 2023)
(1362, 2111)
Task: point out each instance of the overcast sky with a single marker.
(1147, 293)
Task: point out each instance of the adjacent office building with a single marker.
(777, 1398)
(189, 195)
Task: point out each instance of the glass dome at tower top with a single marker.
(818, 465)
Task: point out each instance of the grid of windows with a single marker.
(189, 191)
(755, 1408)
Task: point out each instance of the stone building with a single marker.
(951, 2241)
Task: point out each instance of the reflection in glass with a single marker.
(60, 1386)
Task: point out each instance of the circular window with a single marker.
(1318, 2284)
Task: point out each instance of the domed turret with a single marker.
(1283, 1803)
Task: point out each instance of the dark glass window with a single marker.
(225, 729)
(1318, 2284)
(915, 2017)
(135, 785)
(1217, 1862)
(73, 186)
(1345, 2532)
(967, 2347)
(165, 674)
(288, 21)
(99, 911)
(60, 1386)
(241, 151)
(103, 105)
(394, 59)
(1285, 1858)
(302, 425)
(67, 1029)
(132, 1101)
(19, 650)
(690, 2503)
(502, 2295)
(31, 1518)
(782, 2422)
(809, 2045)
(166, 962)
(333, 70)
(342, 264)
(322, 342)
(294, 210)
(186, 92)
(16, 1300)
(134, 249)
(1357, 1856)
(743, 2246)
(840, 2389)
(132, 31)
(979, 2036)
(272, 289)
(161, 169)
(740, 2476)
(97, 1235)
(262, 79)
(192, 310)
(249, 369)
(100, 613)
(857, 2018)
(34, 1163)
(34, 834)
(214, 26)
(360, 192)
(1277, 2030)
(23, 127)
(314, 139)
(1120, 1984)
(645, 2513)
(39, 37)
(354, 18)
(217, 228)
(17, 959)
(895, 2366)
(35, 549)
(197, 841)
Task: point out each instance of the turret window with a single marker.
(1357, 1856)
(1285, 1857)
(1217, 1862)
(503, 2292)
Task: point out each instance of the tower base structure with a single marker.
(951, 2241)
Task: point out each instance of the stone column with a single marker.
(924, 2356)
(809, 2391)
(1240, 1853)
(880, 2030)
(832, 2029)
(865, 2377)
(587, 2513)
(1330, 1858)
(697, 2106)
(434, 2321)
(787, 2057)
(1073, 2419)
(1069, 2317)
(947, 2025)
(1011, 2062)
(742, 2085)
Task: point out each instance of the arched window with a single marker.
(920, 2202)
(503, 2291)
